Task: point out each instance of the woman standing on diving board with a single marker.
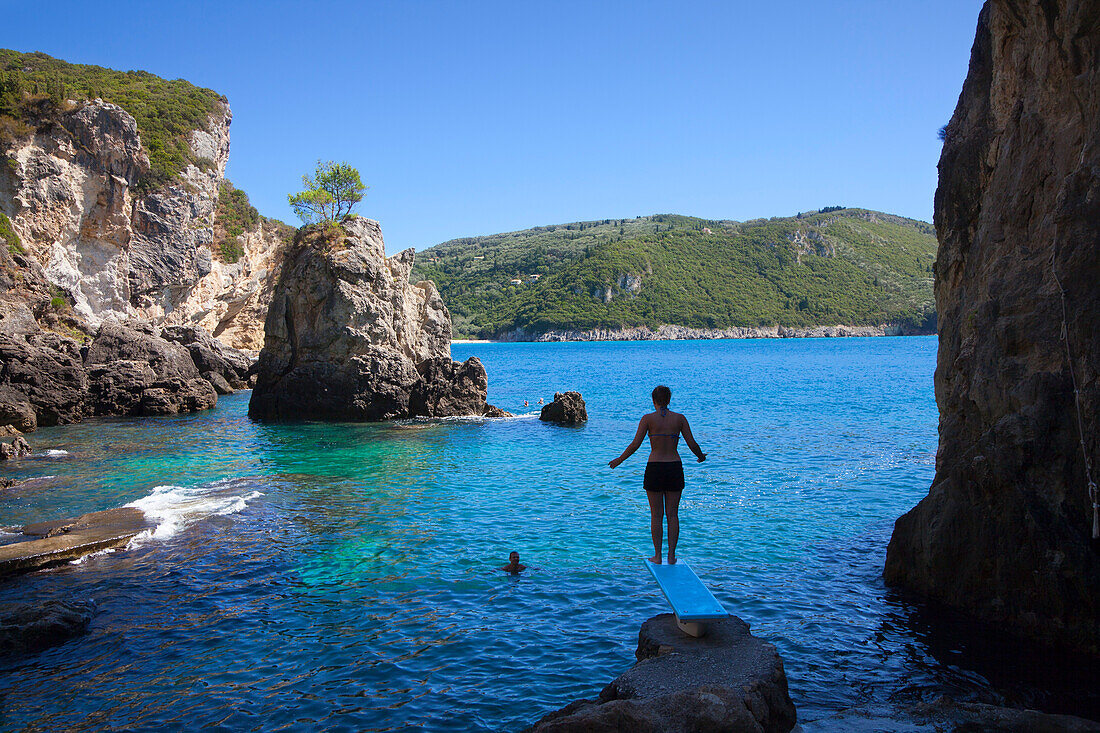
(664, 473)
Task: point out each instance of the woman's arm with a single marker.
(643, 428)
(690, 439)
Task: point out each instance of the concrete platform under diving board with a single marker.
(691, 601)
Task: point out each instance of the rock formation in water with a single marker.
(18, 448)
(138, 369)
(727, 680)
(567, 408)
(1005, 530)
(348, 337)
(133, 371)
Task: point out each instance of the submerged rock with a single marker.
(727, 680)
(31, 627)
(1005, 532)
(945, 713)
(348, 337)
(567, 408)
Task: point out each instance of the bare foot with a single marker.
(672, 558)
(656, 559)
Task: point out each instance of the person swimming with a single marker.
(513, 565)
(664, 472)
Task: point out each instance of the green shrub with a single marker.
(10, 237)
(233, 217)
(230, 250)
(235, 214)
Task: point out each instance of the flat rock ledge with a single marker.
(65, 540)
(727, 680)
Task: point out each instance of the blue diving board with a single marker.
(691, 601)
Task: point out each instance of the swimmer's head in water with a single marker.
(662, 395)
(513, 557)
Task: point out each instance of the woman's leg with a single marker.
(656, 522)
(672, 507)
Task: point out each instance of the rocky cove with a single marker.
(150, 321)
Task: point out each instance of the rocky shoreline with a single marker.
(669, 332)
(727, 680)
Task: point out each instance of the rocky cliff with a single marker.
(1005, 530)
(85, 250)
(349, 337)
(70, 191)
(231, 300)
(74, 188)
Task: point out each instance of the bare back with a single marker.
(663, 426)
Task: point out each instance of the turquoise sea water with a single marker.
(345, 576)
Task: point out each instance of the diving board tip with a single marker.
(692, 603)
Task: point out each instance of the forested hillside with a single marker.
(834, 266)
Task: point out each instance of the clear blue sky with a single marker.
(478, 117)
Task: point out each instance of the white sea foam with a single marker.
(99, 553)
(175, 508)
(56, 453)
(479, 419)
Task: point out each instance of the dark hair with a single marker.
(662, 395)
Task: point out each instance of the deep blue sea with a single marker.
(346, 576)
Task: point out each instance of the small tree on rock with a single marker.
(329, 195)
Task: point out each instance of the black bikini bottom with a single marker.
(664, 476)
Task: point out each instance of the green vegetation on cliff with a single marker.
(9, 237)
(166, 111)
(236, 215)
(835, 266)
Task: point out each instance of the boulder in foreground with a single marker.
(567, 408)
(727, 680)
(18, 448)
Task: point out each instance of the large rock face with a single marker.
(1005, 531)
(348, 337)
(119, 253)
(232, 299)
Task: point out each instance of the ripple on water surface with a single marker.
(306, 576)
